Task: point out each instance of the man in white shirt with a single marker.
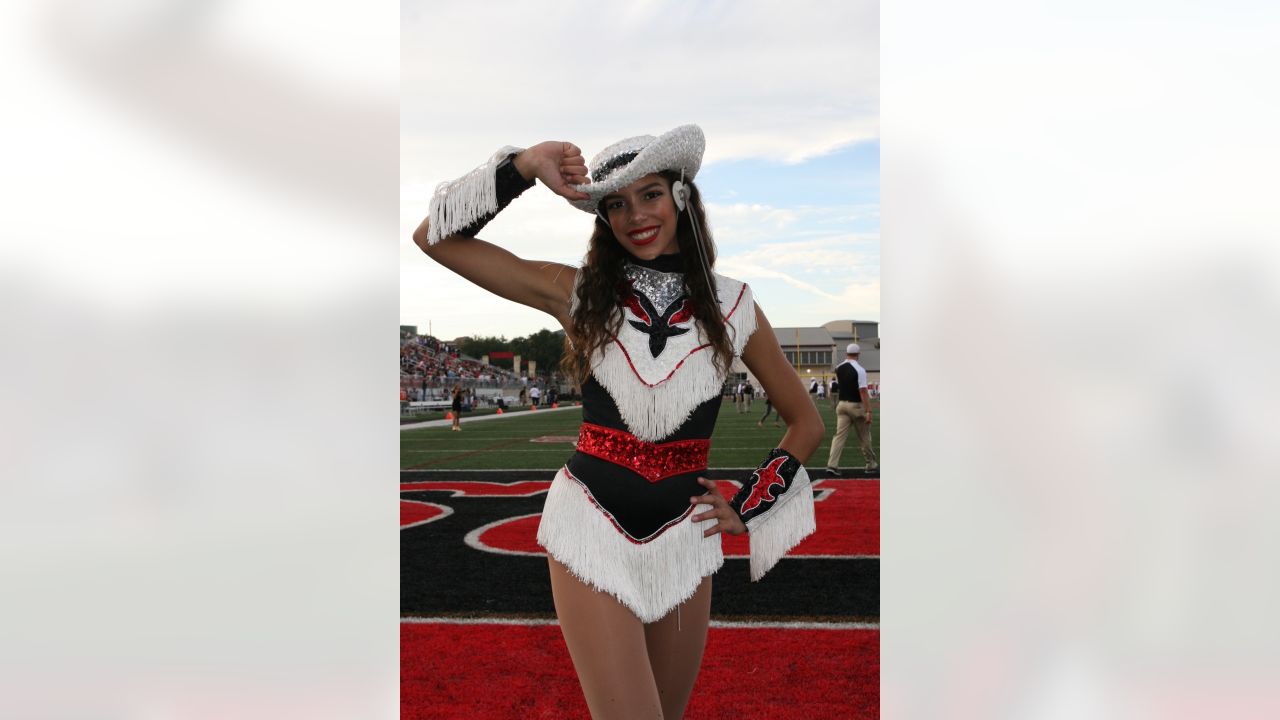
(853, 408)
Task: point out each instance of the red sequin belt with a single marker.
(652, 461)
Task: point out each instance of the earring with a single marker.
(680, 192)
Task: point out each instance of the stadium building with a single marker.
(815, 351)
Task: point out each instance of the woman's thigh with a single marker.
(606, 642)
(675, 644)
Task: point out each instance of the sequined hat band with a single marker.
(624, 162)
(607, 169)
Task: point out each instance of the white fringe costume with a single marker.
(655, 396)
(656, 392)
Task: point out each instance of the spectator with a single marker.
(457, 408)
(768, 408)
(853, 409)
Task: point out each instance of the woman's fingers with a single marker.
(719, 508)
(561, 187)
(727, 521)
(574, 170)
(710, 485)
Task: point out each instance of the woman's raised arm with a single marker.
(541, 285)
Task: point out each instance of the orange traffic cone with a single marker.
(533, 408)
(448, 415)
(555, 405)
(499, 411)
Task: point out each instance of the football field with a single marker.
(479, 636)
(543, 440)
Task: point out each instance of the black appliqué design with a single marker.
(767, 485)
(606, 169)
(659, 326)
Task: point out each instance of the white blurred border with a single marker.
(198, 276)
(1080, 289)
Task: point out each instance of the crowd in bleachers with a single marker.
(426, 361)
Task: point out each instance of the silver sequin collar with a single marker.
(661, 288)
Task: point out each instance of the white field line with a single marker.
(714, 623)
(549, 450)
(482, 418)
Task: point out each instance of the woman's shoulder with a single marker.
(722, 278)
(738, 305)
(733, 293)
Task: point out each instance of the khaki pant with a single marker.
(851, 413)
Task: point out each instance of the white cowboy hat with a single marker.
(626, 161)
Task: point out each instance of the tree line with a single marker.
(543, 347)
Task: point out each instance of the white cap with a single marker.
(853, 349)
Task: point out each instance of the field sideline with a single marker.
(510, 443)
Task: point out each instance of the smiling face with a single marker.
(643, 217)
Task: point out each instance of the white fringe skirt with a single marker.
(650, 578)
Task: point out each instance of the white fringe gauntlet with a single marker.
(459, 203)
(776, 504)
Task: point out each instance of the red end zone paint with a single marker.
(509, 671)
(519, 535)
(412, 513)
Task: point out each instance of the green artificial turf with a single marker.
(507, 444)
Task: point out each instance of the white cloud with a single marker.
(762, 81)
(742, 223)
(841, 253)
(743, 270)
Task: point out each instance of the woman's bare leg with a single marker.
(675, 650)
(607, 645)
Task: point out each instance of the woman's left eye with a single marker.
(653, 195)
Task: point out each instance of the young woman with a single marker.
(457, 408)
(629, 523)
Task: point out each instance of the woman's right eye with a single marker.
(613, 205)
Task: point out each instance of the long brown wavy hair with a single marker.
(596, 320)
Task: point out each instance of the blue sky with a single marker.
(849, 175)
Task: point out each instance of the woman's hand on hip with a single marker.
(726, 519)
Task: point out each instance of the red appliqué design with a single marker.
(765, 478)
(634, 305)
(742, 291)
(684, 314)
(652, 461)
